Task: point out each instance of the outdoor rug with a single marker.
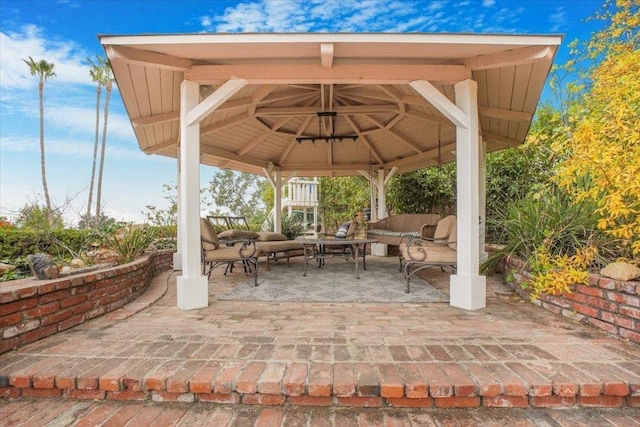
(335, 282)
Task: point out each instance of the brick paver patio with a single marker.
(510, 354)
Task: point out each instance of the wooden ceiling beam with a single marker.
(517, 116)
(228, 155)
(524, 55)
(339, 74)
(156, 119)
(159, 147)
(364, 139)
(313, 110)
(225, 123)
(504, 142)
(429, 118)
(145, 58)
(396, 135)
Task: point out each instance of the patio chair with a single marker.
(237, 223)
(440, 235)
(420, 253)
(346, 231)
(219, 223)
(216, 253)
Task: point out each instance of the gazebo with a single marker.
(287, 105)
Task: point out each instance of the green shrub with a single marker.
(15, 243)
(129, 242)
(551, 223)
(291, 226)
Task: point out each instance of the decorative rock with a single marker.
(621, 271)
(6, 267)
(66, 270)
(43, 266)
(101, 256)
(76, 263)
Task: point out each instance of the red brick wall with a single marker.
(32, 309)
(608, 304)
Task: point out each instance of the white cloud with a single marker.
(361, 16)
(72, 148)
(68, 57)
(558, 19)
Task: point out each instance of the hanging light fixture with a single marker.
(331, 137)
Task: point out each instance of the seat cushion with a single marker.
(268, 236)
(278, 246)
(436, 254)
(230, 253)
(236, 234)
(381, 232)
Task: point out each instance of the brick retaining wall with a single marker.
(32, 309)
(611, 305)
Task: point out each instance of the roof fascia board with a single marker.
(400, 38)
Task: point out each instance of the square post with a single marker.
(192, 286)
(467, 287)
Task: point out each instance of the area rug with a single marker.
(335, 282)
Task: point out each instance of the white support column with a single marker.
(192, 286)
(382, 196)
(482, 181)
(379, 249)
(468, 287)
(177, 256)
(277, 202)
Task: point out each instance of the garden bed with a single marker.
(32, 309)
(611, 305)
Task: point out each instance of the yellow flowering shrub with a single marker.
(603, 162)
(554, 274)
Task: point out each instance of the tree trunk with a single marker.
(42, 156)
(102, 152)
(95, 155)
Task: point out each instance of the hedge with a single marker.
(15, 243)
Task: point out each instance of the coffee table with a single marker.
(316, 249)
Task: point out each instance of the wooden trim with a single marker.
(145, 58)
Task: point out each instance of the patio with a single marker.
(509, 354)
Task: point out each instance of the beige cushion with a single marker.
(436, 254)
(210, 239)
(278, 246)
(267, 236)
(444, 227)
(236, 234)
(230, 253)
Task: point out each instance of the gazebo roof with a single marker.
(363, 86)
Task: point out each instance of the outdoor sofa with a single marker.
(392, 229)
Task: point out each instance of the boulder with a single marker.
(76, 263)
(6, 267)
(43, 266)
(621, 271)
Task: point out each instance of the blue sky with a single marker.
(65, 32)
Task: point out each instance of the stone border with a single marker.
(608, 304)
(32, 309)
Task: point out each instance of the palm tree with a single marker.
(98, 76)
(108, 83)
(44, 71)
